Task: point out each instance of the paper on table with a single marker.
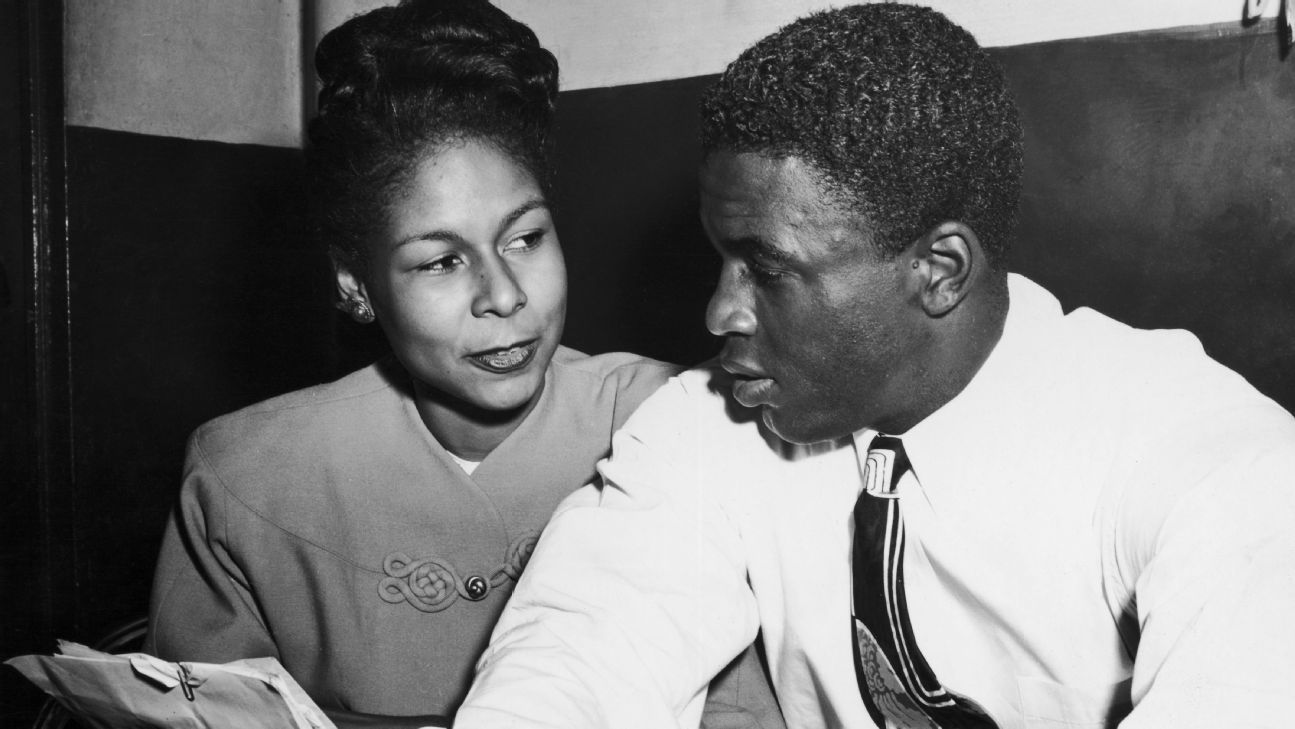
(139, 690)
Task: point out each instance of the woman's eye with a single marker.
(444, 264)
(525, 242)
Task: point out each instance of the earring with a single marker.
(358, 309)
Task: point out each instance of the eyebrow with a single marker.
(451, 236)
(750, 245)
(533, 204)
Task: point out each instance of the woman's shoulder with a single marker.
(614, 365)
(620, 381)
(310, 413)
(622, 372)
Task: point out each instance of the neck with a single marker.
(959, 345)
(467, 431)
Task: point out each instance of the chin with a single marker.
(511, 395)
(800, 431)
(782, 429)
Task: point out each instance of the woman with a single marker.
(367, 532)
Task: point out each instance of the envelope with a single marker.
(139, 690)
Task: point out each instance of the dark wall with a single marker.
(640, 268)
(193, 292)
(1160, 187)
(1159, 171)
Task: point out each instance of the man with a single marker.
(942, 501)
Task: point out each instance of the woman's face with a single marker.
(467, 279)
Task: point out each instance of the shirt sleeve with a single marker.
(635, 384)
(740, 697)
(202, 607)
(635, 597)
(1215, 590)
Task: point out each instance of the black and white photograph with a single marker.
(690, 364)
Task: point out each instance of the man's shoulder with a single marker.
(696, 410)
(1087, 394)
(1183, 432)
(1164, 375)
(1095, 367)
(699, 396)
(692, 437)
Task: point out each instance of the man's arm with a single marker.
(635, 597)
(1215, 597)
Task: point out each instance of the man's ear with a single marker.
(948, 258)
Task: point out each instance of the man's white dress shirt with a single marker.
(1099, 523)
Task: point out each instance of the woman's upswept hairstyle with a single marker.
(905, 117)
(401, 82)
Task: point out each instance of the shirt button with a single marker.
(476, 586)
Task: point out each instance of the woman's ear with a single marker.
(351, 294)
(948, 257)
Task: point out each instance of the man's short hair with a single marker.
(903, 114)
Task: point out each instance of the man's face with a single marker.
(821, 329)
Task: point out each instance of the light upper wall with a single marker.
(231, 71)
(635, 42)
(226, 70)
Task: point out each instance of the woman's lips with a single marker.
(506, 359)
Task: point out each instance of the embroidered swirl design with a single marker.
(427, 584)
(431, 585)
(519, 553)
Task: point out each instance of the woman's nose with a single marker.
(498, 291)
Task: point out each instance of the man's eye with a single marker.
(444, 264)
(763, 274)
(525, 242)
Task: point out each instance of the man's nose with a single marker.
(498, 291)
(729, 311)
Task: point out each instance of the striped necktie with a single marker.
(898, 686)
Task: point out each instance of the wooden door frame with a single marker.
(50, 302)
(40, 566)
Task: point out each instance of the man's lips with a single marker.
(505, 359)
(751, 387)
(753, 393)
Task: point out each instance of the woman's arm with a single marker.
(202, 608)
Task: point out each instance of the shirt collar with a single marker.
(944, 444)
